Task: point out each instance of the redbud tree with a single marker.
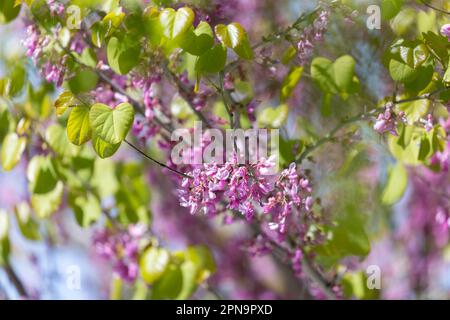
(350, 202)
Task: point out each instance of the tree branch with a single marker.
(15, 280)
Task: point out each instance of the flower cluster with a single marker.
(310, 35)
(121, 248)
(387, 120)
(245, 188)
(56, 8)
(52, 69)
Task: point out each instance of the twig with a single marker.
(222, 93)
(15, 280)
(426, 96)
(434, 8)
(185, 94)
(156, 161)
(331, 135)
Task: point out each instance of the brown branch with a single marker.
(15, 280)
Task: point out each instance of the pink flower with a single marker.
(387, 120)
(445, 31)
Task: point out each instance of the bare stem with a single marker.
(15, 280)
(426, 96)
(156, 161)
(434, 8)
(185, 94)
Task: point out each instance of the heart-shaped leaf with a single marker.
(335, 77)
(111, 125)
(273, 117)
(175, 23)
(231, 35)
(78, 125)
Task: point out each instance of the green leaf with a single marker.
(46, 204)
(273, 117)
(396, 184)
(4, 237)
(401, 72)
(4, 121)
(12, 150)
(408, 154)
(64, 101)
(198, 264)
(57, 139)
(290, 82)
(103, 148)
(170, 285)
(27, 225)
(41, 175)
(87, 209)
(437, 44)
(111, 125)
(198, 41)
(4, 225)
(289, 149)
(390, 8)
(348, 236)
(426, 21)
(112, 21)
(78, 125)
(231, 35)
(425, 148)
(335, 77)
(153, 264)
(175, 23)
(344, 71)
(8, 11)
(403, 21)
(88, 58)
(354, 284)
(212, 61)
(84, 80)
(415, 110)
(446, 78)
(244, 50)
(123, 55)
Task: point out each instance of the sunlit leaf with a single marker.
(153, 264)
(175, 23)
(111, 125)
(78, 125)
(12, 150)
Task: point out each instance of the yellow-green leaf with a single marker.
(153, 264)
(290, 82)
(111, 125)
(12, 150)
(175, 23)
(78, 126)
(231, 35)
